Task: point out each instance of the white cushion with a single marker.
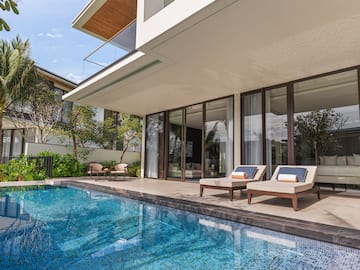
(287, 177)
(341, 161)
(356, 159)
(330, 160)
(239, 175)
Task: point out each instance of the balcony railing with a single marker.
(112, 50)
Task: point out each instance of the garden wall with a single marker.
(96, 155)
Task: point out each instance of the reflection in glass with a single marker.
(154, 145)
(253, 133)
(194, 124)
(326, 120)
(219, 137)
(276, 128)
(175, 144)
(17, 142)
(6, 143)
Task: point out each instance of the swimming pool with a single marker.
(68, 228)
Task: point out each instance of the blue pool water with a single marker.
(67, 228)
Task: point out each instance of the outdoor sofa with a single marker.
(232, 182)
(96, 169)
(120, 169)
(288, 181)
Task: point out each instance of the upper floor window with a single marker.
(154, 6)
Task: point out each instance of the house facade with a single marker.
(229, 82)
(18, 140)
(14, 137)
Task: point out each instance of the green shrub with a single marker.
(135, 169)
(3, 173)
(109, 163)
(23, 168)
(65, 165)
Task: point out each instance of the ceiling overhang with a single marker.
(104, 18)
(225, 50)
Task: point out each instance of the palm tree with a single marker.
(16, 73)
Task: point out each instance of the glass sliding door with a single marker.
(193, 151)
(154, 145)
(252, 129)
(17, 143)
(276, 128)
(327, 120)
(175, 144)
(218, 139)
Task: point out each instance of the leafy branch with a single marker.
(7, 5)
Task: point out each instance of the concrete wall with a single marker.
(96, 154)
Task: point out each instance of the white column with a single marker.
(142, 158)
(237, 130)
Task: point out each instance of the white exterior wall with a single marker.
(97, 155)
(166, 18)
(237, 130)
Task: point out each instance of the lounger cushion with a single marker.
(299, 172)
(224, 182)
(281, 187)
(249, 170)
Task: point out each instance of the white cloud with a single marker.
(51, 35)
(74, 77)
(54, 61)
(40, 34)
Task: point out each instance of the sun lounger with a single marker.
(96, 169)
(291, 182)
(248, 173)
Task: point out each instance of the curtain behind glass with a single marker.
(253, 135)
(276, 128)
(154, 133)
(219, 138)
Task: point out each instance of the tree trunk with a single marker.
(316, 153)
(123, 152)
(1, 136)
(75, 152)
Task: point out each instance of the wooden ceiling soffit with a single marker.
(113, 16)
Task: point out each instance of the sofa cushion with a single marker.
(341, 161)
(328, 160)
(249, 170)
(298, 171)
(356, 159)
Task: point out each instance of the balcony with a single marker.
(120, 45)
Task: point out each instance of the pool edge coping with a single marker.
(323, 232)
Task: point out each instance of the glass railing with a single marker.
(112, 50)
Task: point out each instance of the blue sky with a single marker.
(55, 45)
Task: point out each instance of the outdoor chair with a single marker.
(290, 182)
(120, 169)
(96, 169)
(237, 180)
